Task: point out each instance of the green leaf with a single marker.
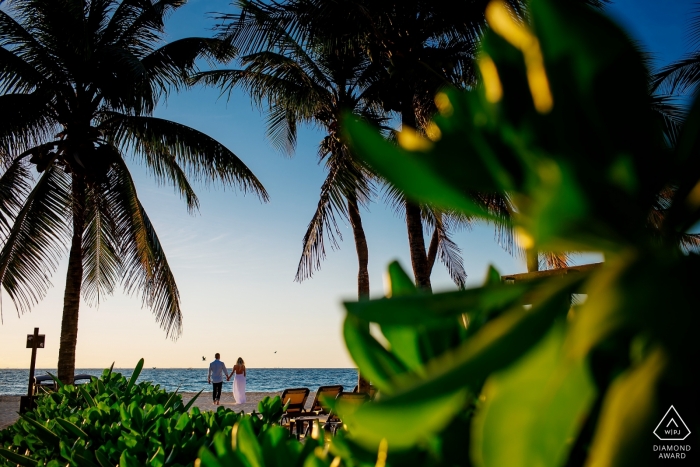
(207, 459)
(246, 443)
(134, 376)
(400, 283)
(87, 396)
(17, 458)
(442, 308)
(379, 365)
(43, 433)
(191, 402)
(534, 406)
(628, 415)
(171, 400)
(82, 461)
(182, 422)
(58, 382)
(402, 425)
(496, 345)
(103, 459)
(493, 277)
(412, 173)
(72, 428)
(158, 459)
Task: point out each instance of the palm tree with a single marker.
(415, 48)
(79, 81)
(299, 81)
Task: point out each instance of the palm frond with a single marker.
(36, 241)
(690, 243)
(25, 121)
(143, 25)
(198, 155)
(16, 75)
(20, 41)
(342, 180)
(671, 114)
(323, 226)
(554, 260)
(145, 267)
(679, 77)
(102, 265)
(172, 64)
(451, 256)
(14, 189)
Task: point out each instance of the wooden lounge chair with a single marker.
(297, 400)
(318, 407)
(333, 421)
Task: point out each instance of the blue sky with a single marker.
(235, 260)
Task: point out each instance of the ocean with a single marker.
(14, 382)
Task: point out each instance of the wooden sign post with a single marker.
(34, 341)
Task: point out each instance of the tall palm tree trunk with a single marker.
(74, 280)
(416, 243)
(414, 223)
(361, 247)
(532, 256)
(363, 273)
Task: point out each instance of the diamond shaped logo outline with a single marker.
(679, 418)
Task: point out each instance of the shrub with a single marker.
(114, 421)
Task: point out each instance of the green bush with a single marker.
(114, 421)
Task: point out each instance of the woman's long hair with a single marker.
(240, 361)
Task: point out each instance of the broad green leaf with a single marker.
(88, 398)
(412, 173)
(404, 343)
(628, 415)
(43, 433)
(441, 308)
(493, 277)
(158, 459)
(246, 443)
(207, 459)
(400, 283)
(103, 459)
(422, 418)
(17, 458)
(534, 407)
(496, 345)
(374, 361)
(72, 428)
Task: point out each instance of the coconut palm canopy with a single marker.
(79, 81)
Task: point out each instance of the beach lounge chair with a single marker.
(297, 401)
(46, 382)
(372, 391)
(318, 408)
(334, 422)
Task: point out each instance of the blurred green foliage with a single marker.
(514, 374)
(114, 421)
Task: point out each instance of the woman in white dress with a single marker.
(238, 374)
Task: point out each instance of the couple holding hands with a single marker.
(217, 369)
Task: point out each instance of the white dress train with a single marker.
(239, 388)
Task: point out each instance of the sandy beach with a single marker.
(9, 405)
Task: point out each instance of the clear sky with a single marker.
(235, 260)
